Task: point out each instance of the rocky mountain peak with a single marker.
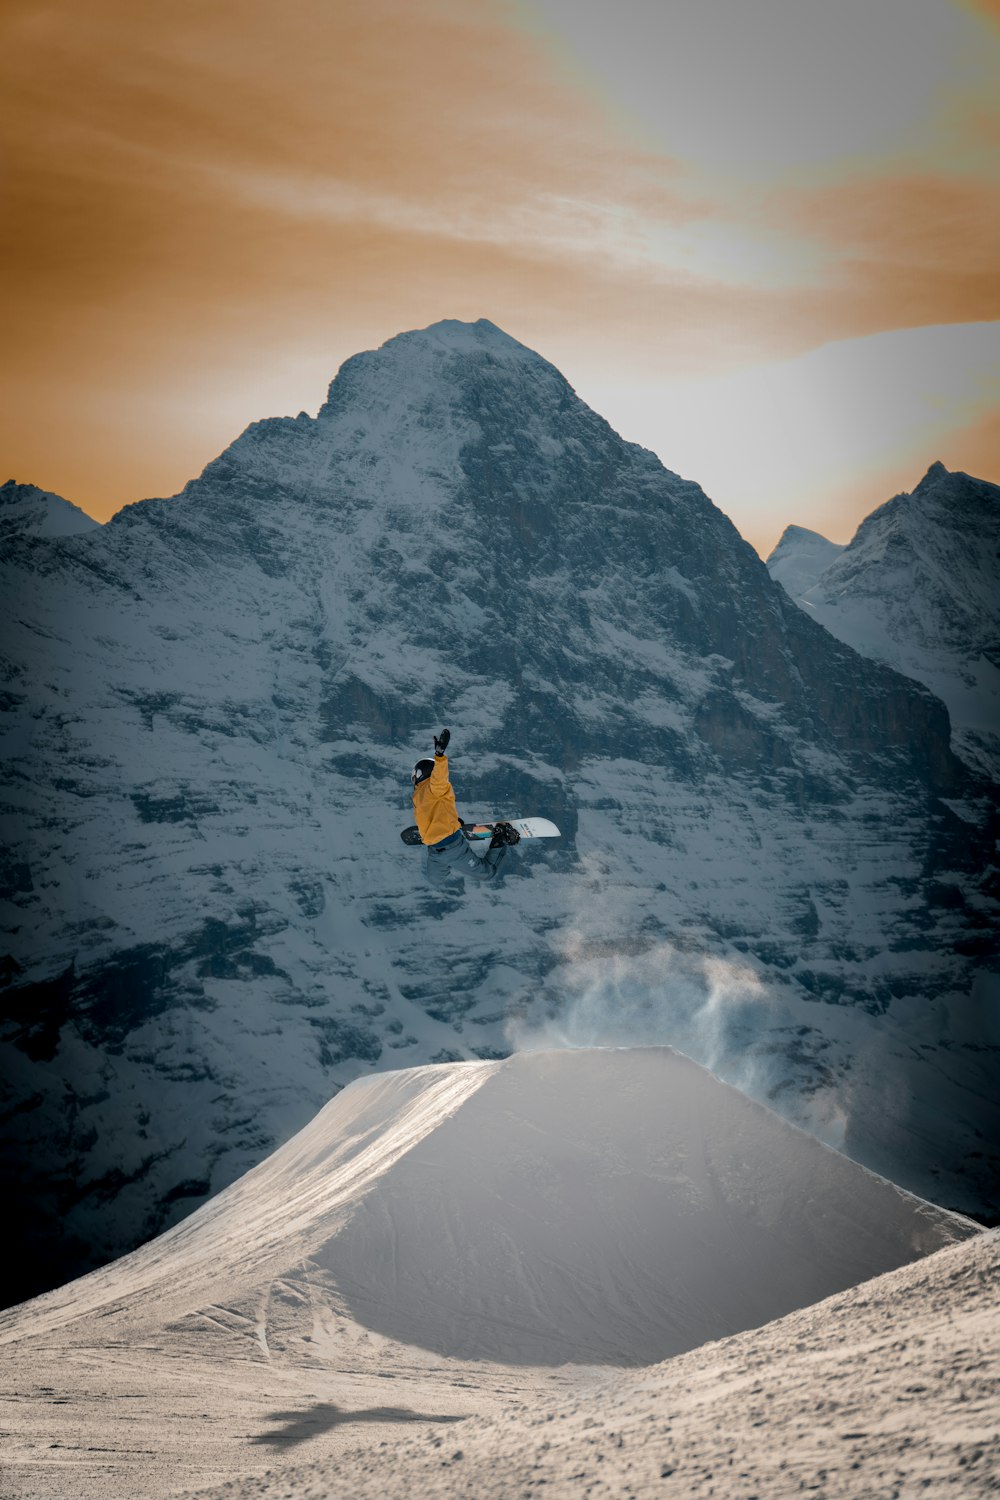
(411, 366)
(451, 336)
(800, 558)
(405, 411)
(798, 534)
(968, 500)
(27, 511)
(936, 472)
(947, 513)
(943, 496)
(919, 589)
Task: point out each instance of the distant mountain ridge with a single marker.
(918, 588)
(27, 511)
(799, 558)
(210, 708)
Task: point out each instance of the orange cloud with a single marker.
(210, 205)
(139, 239)
(910, 250)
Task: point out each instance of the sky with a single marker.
(762, 239)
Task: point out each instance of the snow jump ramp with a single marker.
(594, 1206)
(614, 1205)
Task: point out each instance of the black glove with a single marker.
(441, 741)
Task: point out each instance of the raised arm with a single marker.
(440, 784)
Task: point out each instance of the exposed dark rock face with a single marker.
(212, 704)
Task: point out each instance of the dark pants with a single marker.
(454, 856)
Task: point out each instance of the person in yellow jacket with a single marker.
(435, 814)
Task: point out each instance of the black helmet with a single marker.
(421, 771)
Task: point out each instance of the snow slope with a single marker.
(919, 589)
(208, 713)
(472, 1227)
(799, 558)
(883, 1392)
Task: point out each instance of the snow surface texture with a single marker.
(799, 559)
(210, 708)
(885, 1392)
(919, 589)
(480, 1239)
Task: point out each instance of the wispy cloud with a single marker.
(252, 195)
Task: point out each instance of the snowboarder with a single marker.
(441, 828)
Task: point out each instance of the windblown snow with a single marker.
(478, 1229)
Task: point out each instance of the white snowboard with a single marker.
(528, 828)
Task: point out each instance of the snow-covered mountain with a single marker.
(919, 589)
(211, 705)
(800, 557)
(491, 1239)
(28, 511)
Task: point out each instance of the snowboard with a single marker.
(528, 828)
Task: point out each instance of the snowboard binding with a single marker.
(504, 833)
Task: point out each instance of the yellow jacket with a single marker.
(434, 804)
